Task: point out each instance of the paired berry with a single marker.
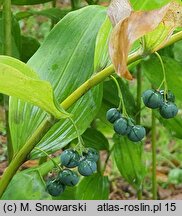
(55, 187)
(87, 167)
(112, 115)
(70, 158)
(137, 133)
(122, 126)
(168, 110)
(68, 177)
(165, 102)
(152, 99)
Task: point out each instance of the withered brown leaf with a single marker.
(133, 25)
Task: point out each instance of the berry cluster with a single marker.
(125, 126)
(160, 100)
(70, 159)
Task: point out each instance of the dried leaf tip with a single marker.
(118, 10)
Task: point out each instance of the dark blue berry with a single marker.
(68, 177)
(112, 115)
(91, 154)
(55, 188)
(70, 158)
(87, 167)
(168, 110)
(137, 133)
(121, 126)
(152, 99)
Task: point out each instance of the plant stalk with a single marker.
(154, 180)
(139, 93)
(68, 102)
(7, 50)
(53, 6)
(75, 4)
(138, 115)
(139, 194)
(22, 155)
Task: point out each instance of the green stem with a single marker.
(121, 103)
(139, 92)
(139, 194)
(107, 159)
(21, 156)
(75, 4)
(46, 124)
(164, 74)
(138, 116)
(55, 164)
(80, 145)
(7, 50)
(53, 6)
(154, 180)
(7, 27)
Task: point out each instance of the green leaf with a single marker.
(102, 59)
(175, 176)
(1, 2)
(153, 71)
(129, 160)
(69, 194)
(95, 139)
(177, 49)
(29, 2)
(17, 81)
(53, 13)
(65, 59)
(26, 185)
(29, 46)
(94, 187)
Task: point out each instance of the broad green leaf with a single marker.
(95, 139)
(177, 50)
(153, 71)
(29, 2)
(69, 194)
(1, 2)
(29, 46)
(16, 38)
(94, 187)
(129, 160)
(66, 60)
(174, 125)
(53, 13)
(15, 82)
(101, 58)
(26, 185)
